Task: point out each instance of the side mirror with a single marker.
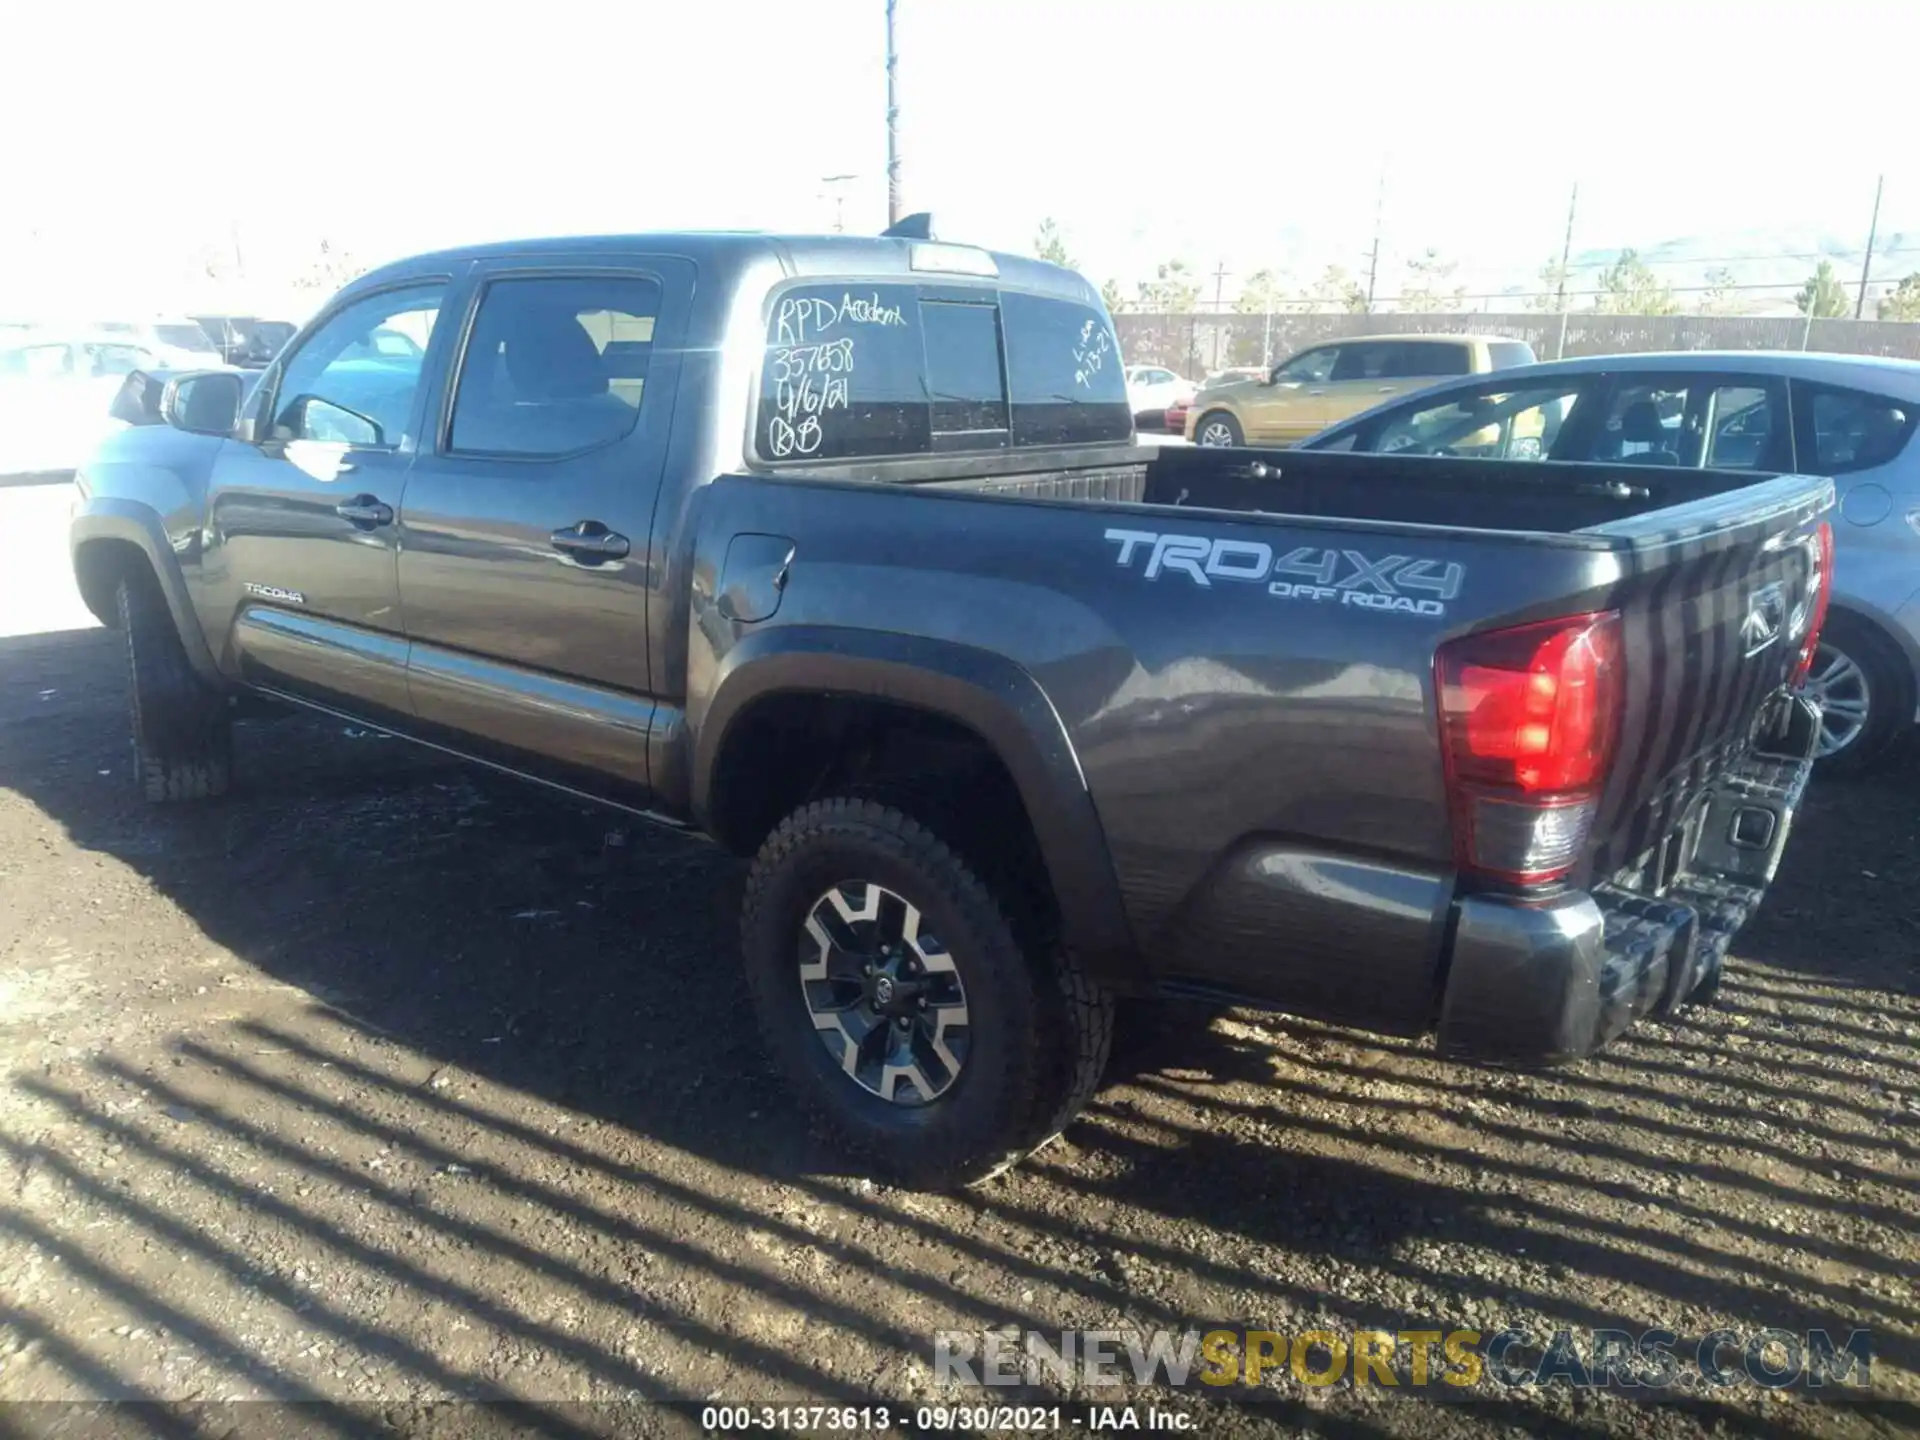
(203, 402)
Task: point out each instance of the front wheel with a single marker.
(1218, 430)
(1865, 690)
(895, 997)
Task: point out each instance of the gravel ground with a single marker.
(385, 1081)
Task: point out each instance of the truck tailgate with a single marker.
(1714, 619)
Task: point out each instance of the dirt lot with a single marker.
(387, 1082)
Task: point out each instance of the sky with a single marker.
(143, 139)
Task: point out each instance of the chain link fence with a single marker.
(1198, 344)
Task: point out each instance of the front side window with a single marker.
(1314, 367)
(1854, 431)
(1498, 425)
(556, 365)
(334, 388)
(1505, 354)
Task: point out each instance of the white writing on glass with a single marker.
(808, 381)
(801, 318)
(1090, 352)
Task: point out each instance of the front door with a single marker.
(301, 518)
(524, 532)
(1291, 407)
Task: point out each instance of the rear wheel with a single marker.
(1865, 690)
(1217, 429)
(182, 730)
(894, 995)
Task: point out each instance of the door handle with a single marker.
(1386, 389)
(1316, 392)
(590, 541)
(367, 511)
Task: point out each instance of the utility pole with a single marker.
(1873, 233)
(839, 198)
(1219, 280)
(1566, 258)
(893, 122)
(1373, 256)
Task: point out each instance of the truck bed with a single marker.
(1240, 648)
(1544, 497)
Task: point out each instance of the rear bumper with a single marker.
(1531, 983)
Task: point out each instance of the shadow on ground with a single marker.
(388, 1080)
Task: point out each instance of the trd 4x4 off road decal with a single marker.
(1307, 572)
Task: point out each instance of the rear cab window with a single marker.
(871, 371)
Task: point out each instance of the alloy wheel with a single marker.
(883, 993)
(1215, 433)
(1838, 684)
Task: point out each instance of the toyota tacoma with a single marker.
(841, 552)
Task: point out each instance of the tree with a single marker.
(1719, 298)
(1115, 300)
(1263, 294)
(1903, 301)
(1628, 287)
(1426, 290)
(1335, 290)
(1554, 280)
(1172, 291)
(329, 270)
(1050, 245)
(1823, 296)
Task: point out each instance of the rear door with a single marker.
(526, 520)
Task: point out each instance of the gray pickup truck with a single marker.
(841, 551)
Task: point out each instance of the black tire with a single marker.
(1038, 1027)
(1889, 690)
(182, 731)
(1223, 421)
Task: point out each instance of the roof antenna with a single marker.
(917, 226)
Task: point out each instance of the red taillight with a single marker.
(1528, 721)
(1821, 588)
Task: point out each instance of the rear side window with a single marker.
(555, 365)
(889, 370)
(1064, 375)
(1416, 359)
(1854, 431)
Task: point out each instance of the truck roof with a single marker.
(798, 255)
